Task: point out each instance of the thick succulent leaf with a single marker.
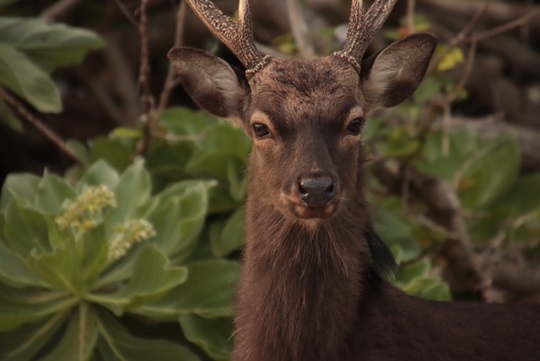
(49, 45)
(79, 339)
(237, 180)
(100, 173)
(212, 335)
(132, 190)
(18, 307)
(21, 187)
(220, 146)
(208, 292)
(25, 230)
(60, 268)
(25, 342)
(182, 121)
(152, 277)
(95, 252)
(19, 74)
(166, 162)
(51, 193)
(180, 216)
(14, 272)
(118, 155)
(116, 344)
(230, 236)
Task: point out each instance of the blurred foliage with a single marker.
(125, 244)
(31, 49)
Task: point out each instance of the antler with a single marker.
(362, 29)
(236, 35)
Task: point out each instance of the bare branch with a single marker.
(300, 29)
(127, 13)
(170, 80)
(58, 9)
(49, 133)
(506, 27)
(411, 4)
(144, 82)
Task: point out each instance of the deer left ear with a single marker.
(212, 83)
(393, 75)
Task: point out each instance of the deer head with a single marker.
(305, 117)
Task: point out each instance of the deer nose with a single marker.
(316, 191)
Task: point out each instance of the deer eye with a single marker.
(260, 130)
(355, 126)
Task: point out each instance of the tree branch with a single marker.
(49, 133)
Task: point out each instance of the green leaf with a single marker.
(180, 216)
(132, 190)
(78, 340)
(8, 118)
(166, 162)
(118, 155)
(429, 88)
(222, 144)
(116, 344)
(21, 187)
(14, 272)
(51, 193)
(60, 267)
(21, 306)
(523, 195)
(208, 292)
(100, 173)
(451, 60)
(237, 180)
(463, 145)
(152, 276)
(409, 273)
(49, 45)
(24, 343)
(185, 122)
(25, 230)
(230, 236)
(488, 174)
(212, 335)
(23, 77)
(390, 225)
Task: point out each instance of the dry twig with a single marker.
(300, 29)
(44, 129)
(147, 99)
(170, 80)
(58, 9)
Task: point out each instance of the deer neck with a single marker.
(301, 284)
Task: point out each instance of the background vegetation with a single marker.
(121, 210)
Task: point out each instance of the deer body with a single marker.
(311, 288)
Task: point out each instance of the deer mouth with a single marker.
(304, 212)
(300, 210)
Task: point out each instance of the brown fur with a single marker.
(311, 290)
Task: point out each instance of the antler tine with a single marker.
(362, 28)
(237, 36)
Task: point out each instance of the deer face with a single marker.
(305, 118)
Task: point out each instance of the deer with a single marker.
(313, 284)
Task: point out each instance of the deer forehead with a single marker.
(299, 91)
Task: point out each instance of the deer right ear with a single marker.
(212, 84)
(393, 75)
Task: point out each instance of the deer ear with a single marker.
(210, 82)
(393, 75)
